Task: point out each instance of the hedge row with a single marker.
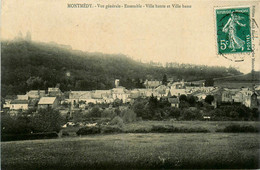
(154, 129)
(14, 137)
(239, 129)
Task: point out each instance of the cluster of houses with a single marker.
(172, 91)
(34, 99)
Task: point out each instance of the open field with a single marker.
(211, 126)
(153, 150)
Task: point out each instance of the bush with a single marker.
(239, 128)
(13, 137)
(139, 130)
(46, 120)
(162, 129)
(174, 112)
(138, 107)
(209, 99)
(88, 130)
(103, 121)
(64, 133)
(117, 121)
(243, 111)
(77, 116)
(15, 124)
(172, 129)
(108, 113)
(192, 100)
(111, 129)
(183, 97)
(234, 114)
(128, 116)
(95, 112)
(184, 104)
(191, 114)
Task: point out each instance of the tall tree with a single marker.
(164, 80)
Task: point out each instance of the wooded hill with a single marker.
(28, 65)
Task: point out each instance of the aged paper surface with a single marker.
(164, 31)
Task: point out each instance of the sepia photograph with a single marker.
(123, 84)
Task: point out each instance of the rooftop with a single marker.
(19, 102)
(47, 100)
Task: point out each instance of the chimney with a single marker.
(117, 83)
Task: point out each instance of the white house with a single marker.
(152, 84)
(76, 96)
(46, 102)
(120, 93)
(54, 92)
(251, 101)
(36, 94)
(19, 104)
(22, 97)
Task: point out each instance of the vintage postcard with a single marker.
(130, 84)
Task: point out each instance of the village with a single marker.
(69, 101)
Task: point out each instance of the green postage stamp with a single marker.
(233, 30)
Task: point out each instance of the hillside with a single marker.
(238, 81)
(32, 65)
(242, 77)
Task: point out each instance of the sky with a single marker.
(183, 35)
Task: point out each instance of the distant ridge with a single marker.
(30, 65)
(238, 81)
(241, 77)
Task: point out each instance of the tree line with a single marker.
(28, 65)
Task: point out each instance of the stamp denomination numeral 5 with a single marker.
(223, 44)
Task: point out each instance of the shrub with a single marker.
(162, 129)
(88, 130)
(138, 107)
(117, 103)
(138, 130)
(110, 129)
(174, 112)
(15, 124)
(192, 100)
(239, 128)
(172, 129)
(103, 121)
(209, 99)
(183, 97)
(77, 116)
(255, 113)
(184, 104)
(95, 112)
(108, 113)
(243, 111)
(191, 114)
(117, 121)
(234, 114)
(46, 120)
(64, 133)
(128, 116)
(13, 137)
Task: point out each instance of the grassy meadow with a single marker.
(146, 126)
(138, 150)
(211, 126)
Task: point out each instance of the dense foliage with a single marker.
(45, 120)
(29, 65)
(153, 109)
(191, 109)
(236, 128)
